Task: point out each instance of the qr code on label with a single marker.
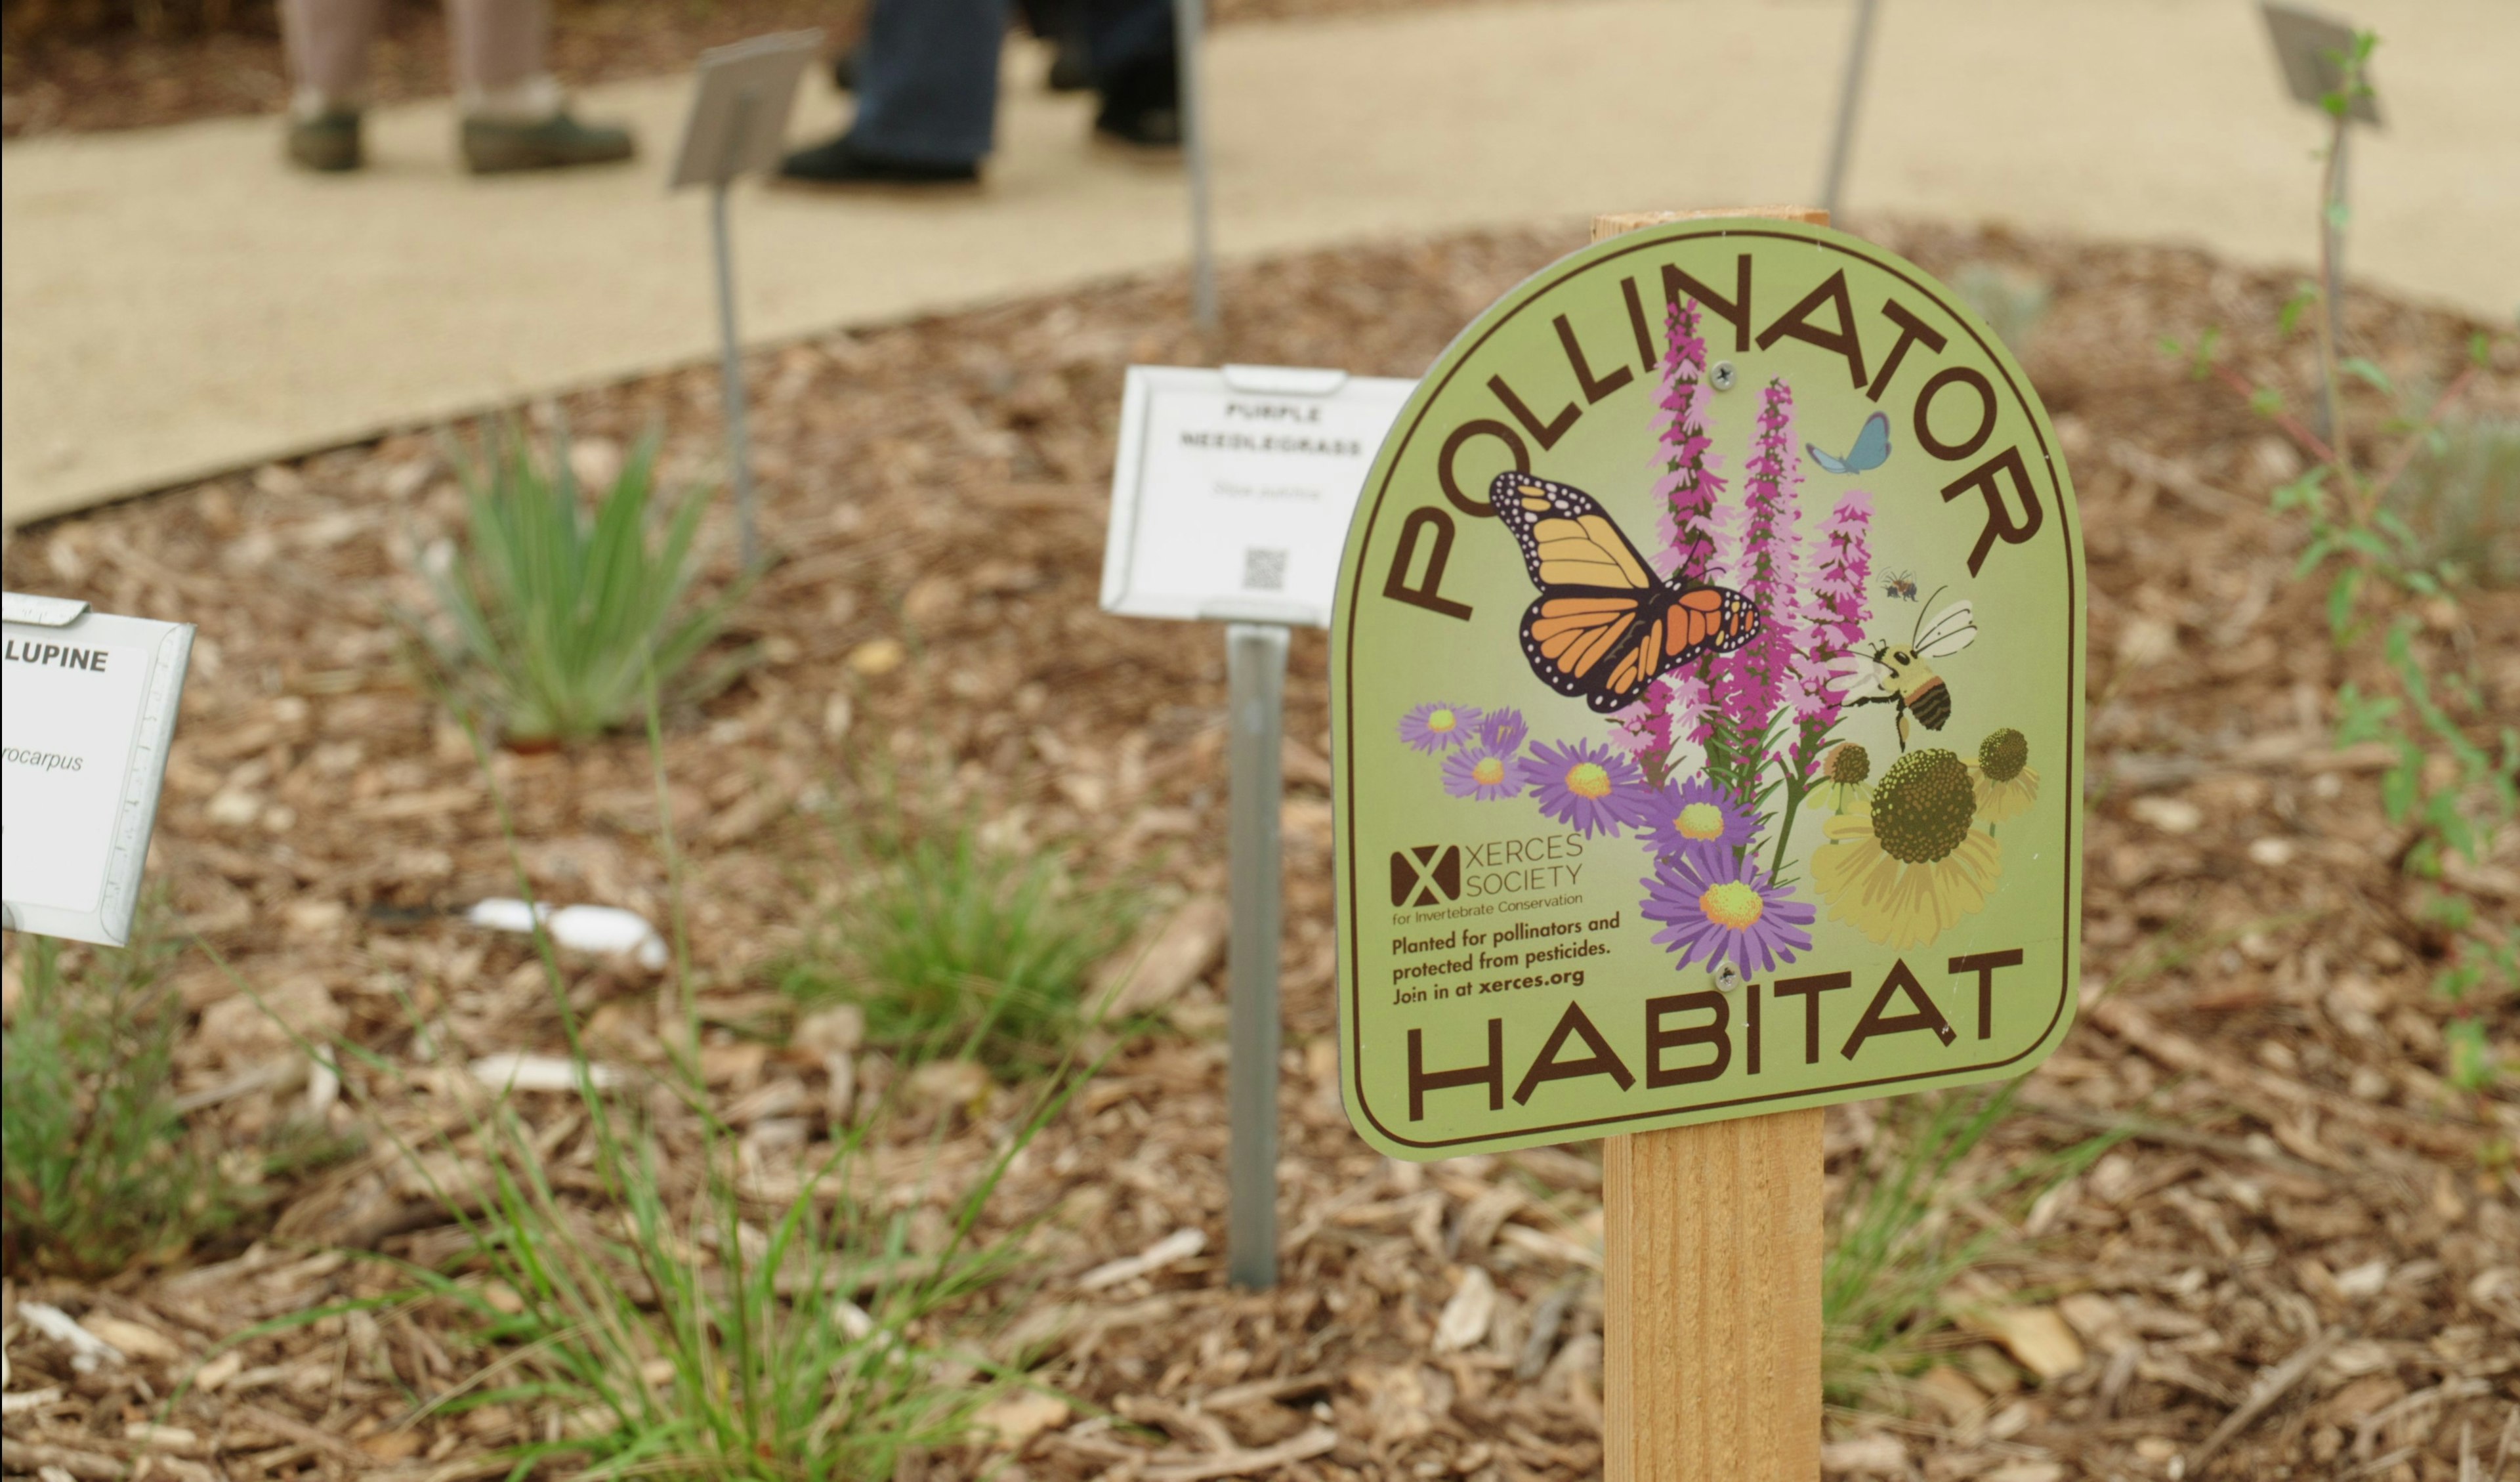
(1262, 570)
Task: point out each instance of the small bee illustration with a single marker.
(1901, 585)
(1900, 677)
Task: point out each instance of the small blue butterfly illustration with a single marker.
(1871, 449)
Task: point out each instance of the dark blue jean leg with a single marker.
(927, 80)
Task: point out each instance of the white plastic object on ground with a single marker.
(87, 1350)
(1465, 1317)
(608, 929)
(1179, 1245)
(515, 1070)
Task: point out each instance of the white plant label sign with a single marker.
(1233, 486)
(87, 704)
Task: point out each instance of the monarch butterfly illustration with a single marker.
(1604, 625)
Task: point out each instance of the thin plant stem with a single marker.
(2330, 311)
(2325, 322)
(2293, 426)
(1786, 828)
(2396, 467)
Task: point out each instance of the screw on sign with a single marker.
(1707, 691)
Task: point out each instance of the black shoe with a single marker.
(840, 162)
(327, 142)
(1142, 104)
(1071, 71)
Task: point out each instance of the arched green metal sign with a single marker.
(1706, 699)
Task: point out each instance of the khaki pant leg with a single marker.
(499, 46)
(328, 48)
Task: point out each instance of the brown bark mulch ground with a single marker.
(2302, 1184)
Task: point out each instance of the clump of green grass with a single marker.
(95, 1167)
(957, 949)
(2459, 497)
(1894, 1249)
(557, 615)
(683, 1321)
(713, 1334)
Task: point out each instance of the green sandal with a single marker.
(493, 146)
(327, 142)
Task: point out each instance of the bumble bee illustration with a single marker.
(1900, 677)
(1901, 585)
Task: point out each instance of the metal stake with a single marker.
(2332, 303)
(738, 450)
(1849, 94)
(1189, 21)
(1255, 670)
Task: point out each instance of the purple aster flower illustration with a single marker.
(1502, 731)
(1438, 726)
(1697, 821)
(1586, 785)
(1731, 914)
(1480, 772)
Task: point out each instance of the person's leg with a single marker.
(327, 41)
(927, 85)
(927, 77)
(515, 116)
(1123, 33)
(499, 48)
(327, 51)
(1137, 68)
(1061, 23)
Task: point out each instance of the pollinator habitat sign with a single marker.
(1706, 687)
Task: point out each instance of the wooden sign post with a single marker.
(1710, 1291)
(1706, 727)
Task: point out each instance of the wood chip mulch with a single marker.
(2306, 1261)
